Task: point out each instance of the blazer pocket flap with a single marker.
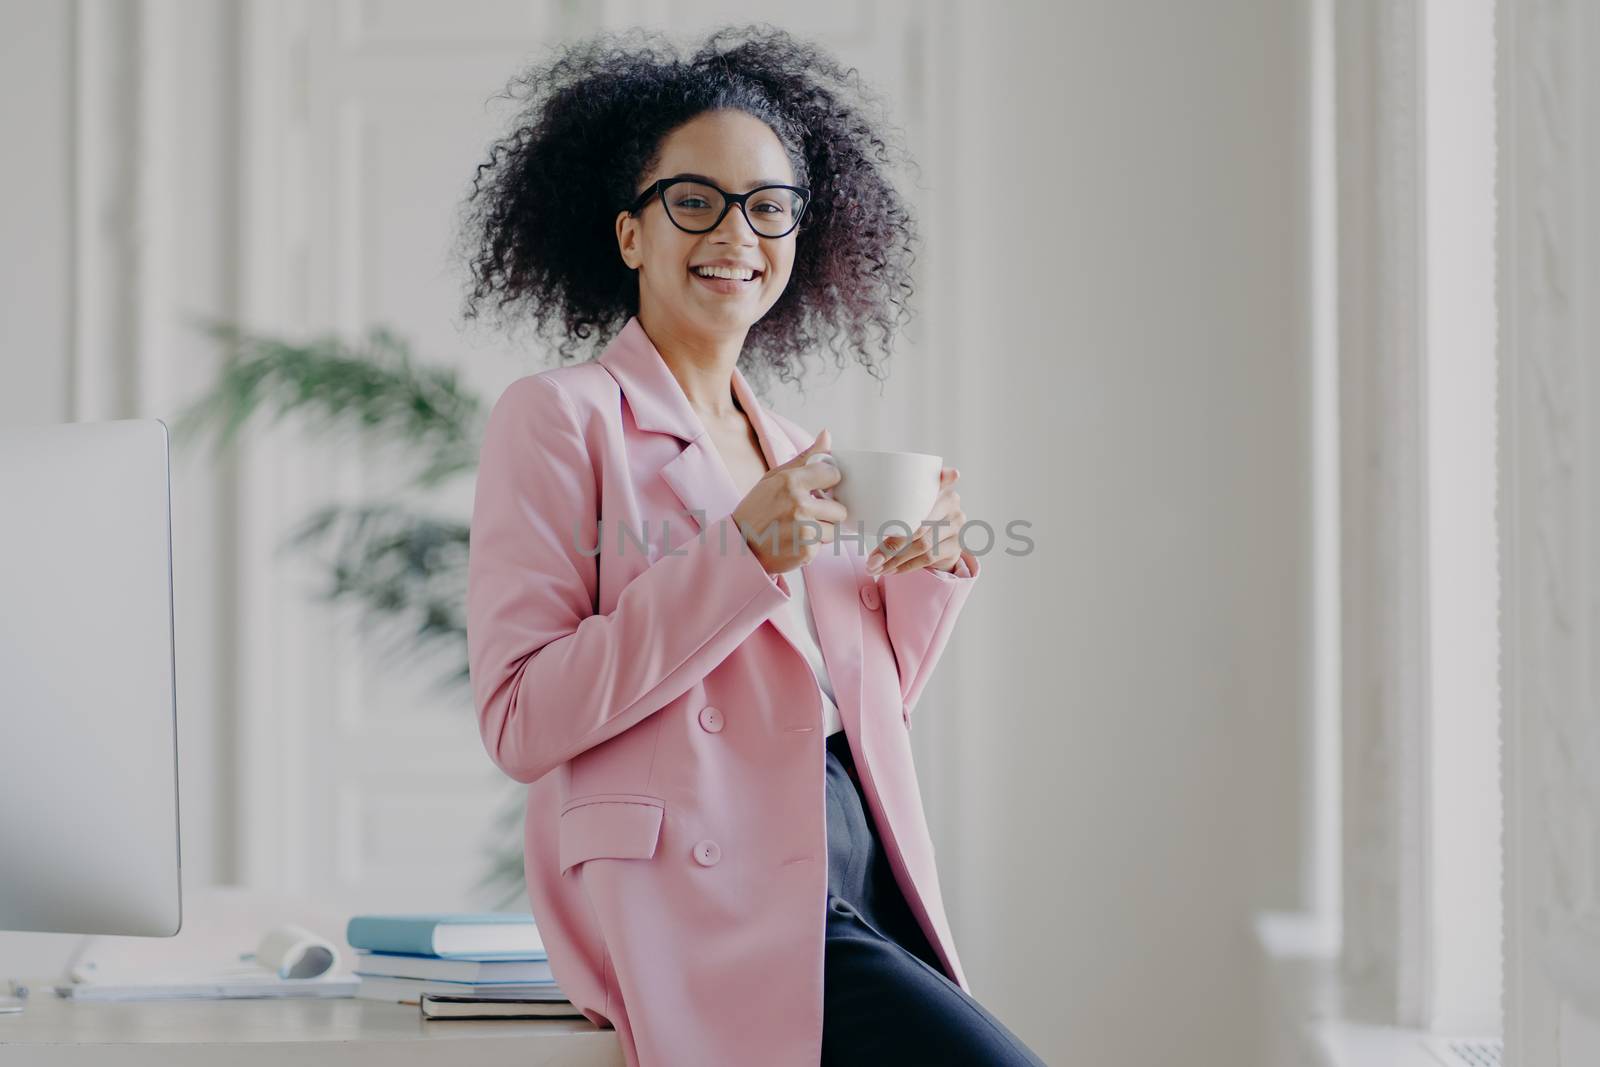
(609, 825)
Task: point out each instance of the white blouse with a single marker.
(811, 648)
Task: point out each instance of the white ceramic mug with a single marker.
(885, 494)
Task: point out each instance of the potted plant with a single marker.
(405, 572)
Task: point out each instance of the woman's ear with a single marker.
(628, 240)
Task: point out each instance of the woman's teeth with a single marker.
(736, 273)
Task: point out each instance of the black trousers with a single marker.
(885, 1000)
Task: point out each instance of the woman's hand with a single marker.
(895, 554)
(782, 522)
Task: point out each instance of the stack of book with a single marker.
(456, 965)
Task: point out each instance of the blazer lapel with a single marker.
(696, 474)
(699, 478)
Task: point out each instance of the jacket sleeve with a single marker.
(550, 676)
(921, 607)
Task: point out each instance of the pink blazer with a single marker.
(668, 726)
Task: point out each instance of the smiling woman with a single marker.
(619, 139)
(726, 849)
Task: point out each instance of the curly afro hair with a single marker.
(591, 125)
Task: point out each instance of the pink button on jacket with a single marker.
(655, 700)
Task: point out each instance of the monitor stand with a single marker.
(11, 1005)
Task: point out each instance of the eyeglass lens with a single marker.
(697, 207)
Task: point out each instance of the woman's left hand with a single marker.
(920, 550)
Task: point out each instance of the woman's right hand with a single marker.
(770, 516)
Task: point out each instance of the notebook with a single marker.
(399, 965)
(442, 1006)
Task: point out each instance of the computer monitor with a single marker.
(88, 711)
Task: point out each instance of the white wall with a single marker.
(1138, 689)
(36, 75)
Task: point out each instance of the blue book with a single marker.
(459, 935)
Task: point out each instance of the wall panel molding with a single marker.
(1382, 473)
(111, 176)
(1549, 247)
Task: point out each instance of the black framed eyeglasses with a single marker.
(695, 205)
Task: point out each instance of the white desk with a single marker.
(337, 1032)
